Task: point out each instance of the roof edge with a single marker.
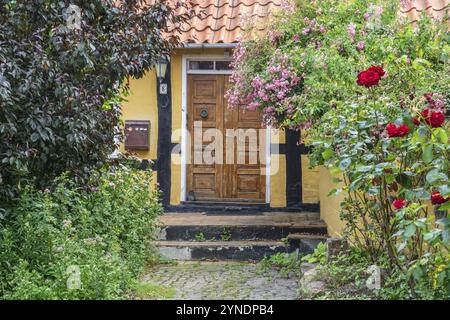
(207, 45)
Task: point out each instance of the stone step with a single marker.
(236, 232)
(306, 243)
(206, 236)
(219, 207)
(236, 250)
(230, 207)
(266, 226)
(220, 250)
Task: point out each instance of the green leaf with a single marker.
(444, 190)
(445, 206)
(443, 221)
(432, 235)
(344, 164)
(427, 155)
(364, 169)
(334, 192)
(401, 246)
(34, 137)
(404, 180)
(440, 132)
(327, 154)
(420, 224)
(389, 178)
(409, 231)
(417, 272)
(434, 176)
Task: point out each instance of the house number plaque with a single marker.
(163, 88)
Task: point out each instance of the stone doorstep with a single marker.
(305, 243)
(252, 236)
(219, 250)
(263, 218)
(234, 250)
(238, 232)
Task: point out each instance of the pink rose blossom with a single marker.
(360, 45)
(351, 29)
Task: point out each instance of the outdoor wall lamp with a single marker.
(161, 67)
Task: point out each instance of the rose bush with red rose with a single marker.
(381, 72)
(399, 203)
(437, 198)
(382, 174)
(397, 131)
(368, 78)
(437, 118)
(401, 71)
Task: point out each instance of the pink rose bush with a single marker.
(270, 91)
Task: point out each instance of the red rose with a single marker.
(436, 119)
(368, 78)
(416, 121)
(391, 129)
(394, 131)
(378, 70)
(403, 130)
(426, 115)
(399, 203)
(437, 198)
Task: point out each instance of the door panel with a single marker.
(204, 103)
(239, 176)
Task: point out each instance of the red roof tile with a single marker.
(413, 9)
(222, 21)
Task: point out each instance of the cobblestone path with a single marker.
(216, 280)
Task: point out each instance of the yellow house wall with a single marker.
(277, 172)
(310, 182)
(278, 181)
(141, 104)
(330, 205)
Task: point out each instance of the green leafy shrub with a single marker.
(346, 277)
(61, 87)
(102, 230)
(394, 162)
(346, 269)
(318, 256)
(285, 263)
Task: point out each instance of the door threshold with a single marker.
(228, 202)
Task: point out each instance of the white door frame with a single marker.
(184, 129)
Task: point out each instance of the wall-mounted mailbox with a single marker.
(137, 135)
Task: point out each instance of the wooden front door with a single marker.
(236, 174)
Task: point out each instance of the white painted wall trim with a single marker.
(184, 136)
